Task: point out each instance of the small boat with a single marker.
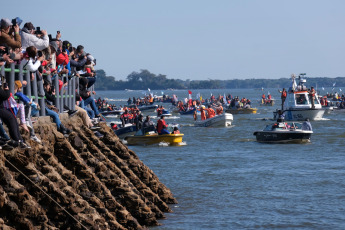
(241, 110)
(298, 106)
(154, 138)
(282, 132)
(144, 107)
(221, 120)
(165, 112)
(128, 129)
(187, 112)
(113, 112)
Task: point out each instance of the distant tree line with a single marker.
(145, 79)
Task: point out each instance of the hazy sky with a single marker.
(196, 39)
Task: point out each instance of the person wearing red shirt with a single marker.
(161, 126)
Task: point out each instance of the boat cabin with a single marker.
(298, 97)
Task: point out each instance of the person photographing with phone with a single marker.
(29, 37)
(5, 37)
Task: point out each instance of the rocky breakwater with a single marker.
(79, 182)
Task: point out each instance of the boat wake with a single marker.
(111, 116)
(322, 119)
(163, 144)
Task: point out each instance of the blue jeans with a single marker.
(164, 131)
(89, 111)
(3, 133)
(55, 117)
(92, 103)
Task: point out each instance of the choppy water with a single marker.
(224, 179)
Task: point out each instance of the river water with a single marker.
(223, 179)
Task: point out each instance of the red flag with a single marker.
(190, 97)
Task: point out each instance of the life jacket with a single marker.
(312, 93)
(263, 96)
(284, 94)
(160, 125)
(114, 127)
(210, 113)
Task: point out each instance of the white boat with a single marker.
(298, 106)
(222, 120)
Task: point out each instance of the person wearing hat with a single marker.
(162, 126)
(6, 38)
(30, 39)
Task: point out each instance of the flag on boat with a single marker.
(190, 97)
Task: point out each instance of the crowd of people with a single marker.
(42, 55)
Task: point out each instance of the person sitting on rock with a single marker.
(51, 110)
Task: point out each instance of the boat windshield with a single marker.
(301, 99)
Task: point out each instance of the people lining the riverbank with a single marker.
(42, 55)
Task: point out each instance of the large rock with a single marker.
(78, 182)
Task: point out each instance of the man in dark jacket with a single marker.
(10, 120)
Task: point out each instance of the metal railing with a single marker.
(64, 97)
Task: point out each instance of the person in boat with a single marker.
(219, 109)
(202, 112)
(281, 116)
(138, 120)
(306, 125)
(129, 101)
(312, 93)
(195, 116)
(283, 96)
(210, 112)
(148, 125)
(162, 126)
(124, 118)
(176, 131)
(263, 98)
(114, 126)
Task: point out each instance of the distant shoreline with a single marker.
(144, 80)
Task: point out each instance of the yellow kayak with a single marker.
(242, 111)
(154, 138)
